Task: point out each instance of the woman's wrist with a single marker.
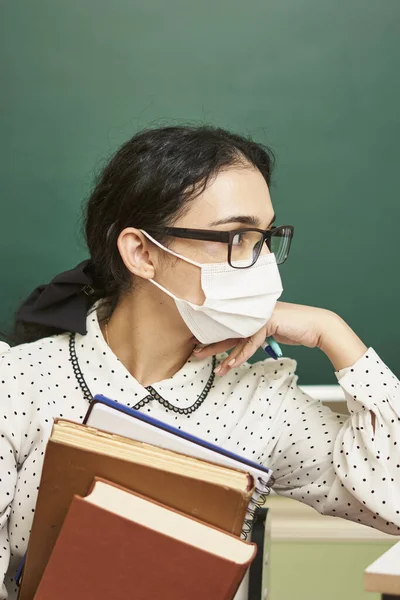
(340, 344)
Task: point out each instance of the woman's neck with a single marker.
(148, 336)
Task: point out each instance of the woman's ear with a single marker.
(133, 247)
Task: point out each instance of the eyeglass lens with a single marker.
(246, 246)
(280, 244)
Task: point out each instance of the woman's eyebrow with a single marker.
(244, 219)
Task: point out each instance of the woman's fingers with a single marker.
(242, 352)
(212, 349)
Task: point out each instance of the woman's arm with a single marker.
(339, 342)
(337, 463)
(10, 438)
(343, 466)
(295, 325)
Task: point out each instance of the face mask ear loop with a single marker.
(192, 262)
(163, 289)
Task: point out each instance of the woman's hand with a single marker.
(295, 325)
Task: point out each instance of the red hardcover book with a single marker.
(117, 544)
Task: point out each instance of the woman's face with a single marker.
(236, 198)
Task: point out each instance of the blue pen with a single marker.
(272, 348)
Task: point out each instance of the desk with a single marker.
(383, 576)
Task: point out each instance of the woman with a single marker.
(175, 228)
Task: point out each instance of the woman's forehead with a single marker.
(233, 193)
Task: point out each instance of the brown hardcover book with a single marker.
(76, 454)
(117, 544)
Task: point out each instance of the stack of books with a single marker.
(139, 511)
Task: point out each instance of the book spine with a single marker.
(250, 482)
(240, 574)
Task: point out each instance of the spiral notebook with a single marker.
(108, 415)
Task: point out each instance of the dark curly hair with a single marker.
(149, 181)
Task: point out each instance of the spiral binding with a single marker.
(258, 502)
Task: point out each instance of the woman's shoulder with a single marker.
(23, 371)
(268, 373)
(31, 357)
(253, 393)
(32, 349)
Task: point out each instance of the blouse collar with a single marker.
(105, 374)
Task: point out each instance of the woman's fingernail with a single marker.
(231, 362)
(217, 369)
(198, 350)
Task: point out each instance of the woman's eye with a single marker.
(238, 239)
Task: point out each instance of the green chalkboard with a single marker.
(318, 80)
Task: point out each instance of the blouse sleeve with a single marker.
(9, 456)
(337, 463)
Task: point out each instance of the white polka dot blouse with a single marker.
(336, 464)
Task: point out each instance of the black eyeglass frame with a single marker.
(226, 237)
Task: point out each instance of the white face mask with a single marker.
(238, 301)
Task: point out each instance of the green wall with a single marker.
(317, 80)
(323, 570)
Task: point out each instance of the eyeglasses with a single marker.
(244, 245)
